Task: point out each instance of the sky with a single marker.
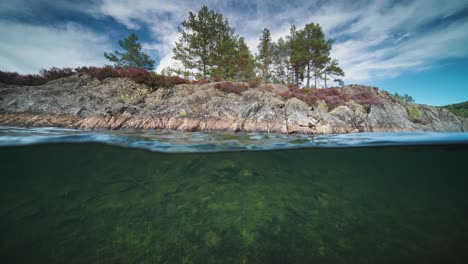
(418, 47)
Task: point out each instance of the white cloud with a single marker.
(390, 39)
(27, 48)
(375, 39)
(384, 38)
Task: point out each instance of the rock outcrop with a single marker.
(83, 102)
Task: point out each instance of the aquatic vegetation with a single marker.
(120, 205)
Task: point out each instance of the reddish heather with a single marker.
(333, 97)
(136, 74)
(229, 87)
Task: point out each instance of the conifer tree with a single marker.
(265, 54)
(182, 54)
(204, 35)
(132, 56)
(281, 61)
(334, 71)
(298, 54)
(245, 62)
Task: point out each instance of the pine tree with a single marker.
(281, 61)
(204, 35)
(265, 54)
(245, 61)
(182, 54)
(318, 51)
(298, 54)
(224, 60)
(333, 70)
(321, 49)
(132, 56)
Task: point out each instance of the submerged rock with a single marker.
(80, 101)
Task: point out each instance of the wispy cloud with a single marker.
(27, 48)
(374, 39)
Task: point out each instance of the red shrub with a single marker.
(229, 87)
(255, 82)
(366, 98)
(8, 77)
(138, 75)
(55, 73)
(105, 72)
(333, 97)
(87, 70)
(176, 80)
(217, 79)
(267, 87)
(19, 79)
(202, 81)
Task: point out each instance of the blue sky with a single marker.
(417, 47)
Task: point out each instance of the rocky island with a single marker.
(84, 102)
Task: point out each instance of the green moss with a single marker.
(413, 112)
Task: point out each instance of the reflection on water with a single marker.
(83, 203)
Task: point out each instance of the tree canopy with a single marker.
(209, 47)
(305, 54)
(265, 54)
(208, 44)
(132, 56)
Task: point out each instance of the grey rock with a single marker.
(80, 101)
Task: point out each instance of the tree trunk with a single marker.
(308, 75)
(325, 79)
(315, 77)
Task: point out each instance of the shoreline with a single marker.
(179, 124)
(82, 102)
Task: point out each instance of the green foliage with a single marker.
(413, 112)
(132, 56)
(317, 53)
(334, 71)
(298, 54)
(281, 62)
(460, 109)
(181, 53)
(208, 46)
(205, 36)
(403, 98)
(305, 54)
(245, 62)
(225, 60)
(265, 54)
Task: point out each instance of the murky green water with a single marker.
(93, 203)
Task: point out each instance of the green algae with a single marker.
(90, 203)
